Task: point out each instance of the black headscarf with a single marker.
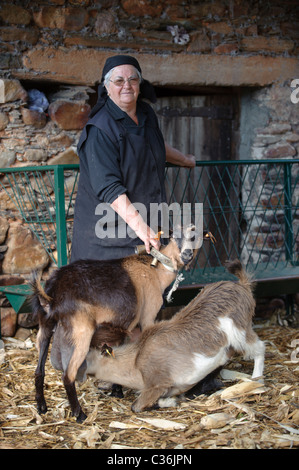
(146, 88)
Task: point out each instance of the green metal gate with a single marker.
(44, 197)
(252, 209)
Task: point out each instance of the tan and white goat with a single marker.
(172, 356)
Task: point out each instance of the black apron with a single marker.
(140, 153)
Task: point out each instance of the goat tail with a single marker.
(40, 300)
(236, 268)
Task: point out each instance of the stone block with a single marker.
(252, 30)
(200, 42)
(142, 8)
(275, 201)
(266, 44)
(7, 158)
(68, 19)
(177, 12)
(69, 156)
(32, 117)
(6, 201)
(23, 333)
(280, 150)
(4, 120)
(220, 27)
(59, 141)
(292, 137)
(28, 35)
(84, 66)
(261, 140)
(10, 61)
(15, 15)
(226, 48)
(215, 8)
(35, 155)
(275, 240)
(69, 115)
(105, 24)
(11, 90)
(8, 321)
(24, 254)
(276, 128)
(4, 225)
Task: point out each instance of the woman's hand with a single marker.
(178, 158)
(189, 161)
(131, 216)
(148, 236)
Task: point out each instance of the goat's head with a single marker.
(183, 246)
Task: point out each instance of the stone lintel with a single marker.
(178, 69)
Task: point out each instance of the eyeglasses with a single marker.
(133, 81)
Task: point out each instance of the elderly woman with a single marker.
(122, 161)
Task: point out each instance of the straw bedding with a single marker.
(245, 414)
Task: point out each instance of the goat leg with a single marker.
(73, 400)
(43, 342)
(148, 398)
(39, 394)
(81, 341)
(257, 352)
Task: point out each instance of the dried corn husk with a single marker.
(241, 389)
(163, 423)
(215, 420)
(120, 425)
(226, 374)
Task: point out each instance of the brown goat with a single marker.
(87, 295)
(172, 356)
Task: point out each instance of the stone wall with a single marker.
(30, 137)
(269, 129)
(228, 42)
(58, 47)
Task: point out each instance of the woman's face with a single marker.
(124, 96)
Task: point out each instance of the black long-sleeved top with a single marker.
(116, 157)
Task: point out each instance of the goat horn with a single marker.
(157, 237)
(107, 351)
(211, 237)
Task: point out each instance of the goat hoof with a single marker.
(135, 410)
(81, 417)
(135, 407)
(117, 391)
(42, 408)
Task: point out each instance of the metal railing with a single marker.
(251, 207)
(44, 197)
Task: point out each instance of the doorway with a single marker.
(205, 125)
